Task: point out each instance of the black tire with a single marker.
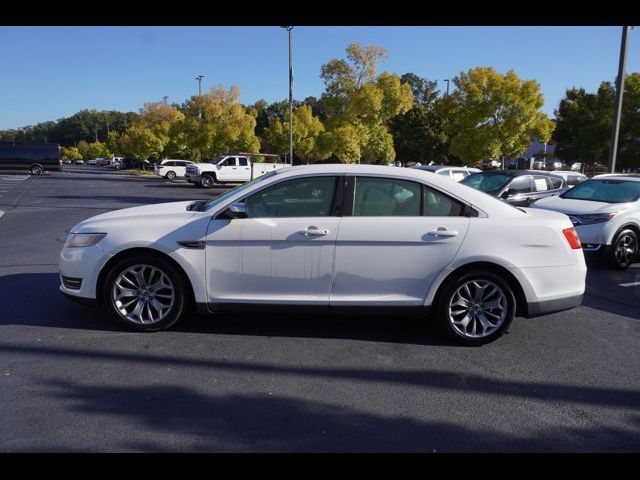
(504, 298)
(623, 250)
(207, 181)
(36, 170)
(175, 311)
(171, 175)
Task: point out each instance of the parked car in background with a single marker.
(517, 187)
(576, 167)
(570, 177)
(606, 213)
(492, 164)
(93, 161)
(338, 237)
(34, 157)
(130, 163)
(171, 169)
(232, 168)
(454, 173)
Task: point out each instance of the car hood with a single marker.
(161, 214)
(570, 206)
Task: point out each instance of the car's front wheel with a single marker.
(207, 181)
(624, 249)
(475, 307)
(145, 293)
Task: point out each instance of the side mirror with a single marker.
(504, 195)
(236, 210)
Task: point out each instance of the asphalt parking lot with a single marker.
(70, 381)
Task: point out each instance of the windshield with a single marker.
(487, 182)
(605, 190)
(240, 188)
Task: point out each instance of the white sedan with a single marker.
(606, 213)
(331, 237)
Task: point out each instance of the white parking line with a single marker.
(632, 284)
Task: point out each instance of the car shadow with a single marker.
(34, 299)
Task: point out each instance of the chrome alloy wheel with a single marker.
(143, 294)
(625, 249)
(477, 309)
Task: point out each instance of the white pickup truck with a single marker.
(232, 168)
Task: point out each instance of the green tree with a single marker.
(307, 130)
(71, 153)
(491, 115)
(584, 122)
(97, 150)
(140, 143)
(359, 103)
(216, 123)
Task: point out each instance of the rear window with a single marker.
(487, 182)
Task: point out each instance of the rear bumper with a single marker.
(535, 309)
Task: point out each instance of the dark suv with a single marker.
(35, 157)
(517, 187)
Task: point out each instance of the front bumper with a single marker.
(82, 263)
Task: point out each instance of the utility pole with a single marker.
(619, 94)
(199, 78)
(288, 29)
(447, 80)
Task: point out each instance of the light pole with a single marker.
(199, 78)
(619, 94)
(164, 99)
(447, 80)
(288, 29)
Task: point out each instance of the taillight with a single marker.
(59, 161)
(572, 237)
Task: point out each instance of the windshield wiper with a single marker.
(198, 205)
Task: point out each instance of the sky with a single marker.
(53, 72)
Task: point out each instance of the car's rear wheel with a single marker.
(171, 175)
(144, 293)
(475, 307)
(624, 249)
(36, 170)
(207, 181)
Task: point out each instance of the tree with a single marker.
(584, 122)
(98, 150)
(307, 130)
(418, 135)
(82, 148)
(140, 143)
(216, 123)
(71, 153)
(490, 115)
(358, 103)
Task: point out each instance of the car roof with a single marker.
(621, 176)
(433, 168)
(514, 173)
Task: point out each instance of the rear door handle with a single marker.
(314, 232)
(443, 232)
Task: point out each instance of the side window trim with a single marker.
(468, 209)
(337, 203)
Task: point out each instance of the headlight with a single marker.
(591, 218)
(84, 239)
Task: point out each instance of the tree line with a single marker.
(365, 116)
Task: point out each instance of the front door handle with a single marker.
(443, 232)
(314, 232)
